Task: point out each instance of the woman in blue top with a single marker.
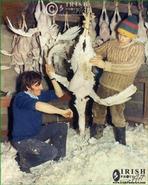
(29, 134)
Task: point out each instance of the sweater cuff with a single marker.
(108, 66)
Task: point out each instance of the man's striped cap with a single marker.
(129, 27)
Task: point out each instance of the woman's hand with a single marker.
(49, 70)
(67, 113)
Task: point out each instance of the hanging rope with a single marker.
(129, 8)
(66, 24)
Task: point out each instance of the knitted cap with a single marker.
(129, 27)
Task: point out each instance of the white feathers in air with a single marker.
(70, 34)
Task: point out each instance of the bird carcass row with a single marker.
(24, 49)
(48, 35)
(83, 80)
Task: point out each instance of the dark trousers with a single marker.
(35, 151)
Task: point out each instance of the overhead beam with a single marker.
(110, 6)
(71, 18)
(123, 8)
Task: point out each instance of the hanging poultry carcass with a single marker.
(146, 45)
(115, 20)
(92, 27)
(44, 23)
(83, 80)
(142, 36)
(142, 31)
(61, 61)
(60, 48)
(104, 30)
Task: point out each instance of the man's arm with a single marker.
(50, 71)
(50, 109)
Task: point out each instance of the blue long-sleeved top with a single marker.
(27, 121)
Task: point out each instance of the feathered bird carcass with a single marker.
(83, 80)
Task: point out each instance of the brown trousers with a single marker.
(116, 111)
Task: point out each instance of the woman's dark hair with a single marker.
(27, 79)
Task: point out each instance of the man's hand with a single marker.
(98, 62)
(49, 70)
(67, 113)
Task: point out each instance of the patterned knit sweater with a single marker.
(122, 65)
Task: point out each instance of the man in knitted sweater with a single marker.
(120, 60)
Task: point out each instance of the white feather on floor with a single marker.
(88, 161)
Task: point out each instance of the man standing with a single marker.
(37, 143)
(122, 59)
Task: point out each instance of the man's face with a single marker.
(36, 88)
(124, 39)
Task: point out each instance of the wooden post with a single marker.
(4, 105)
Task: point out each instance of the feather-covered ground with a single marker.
(88, 161)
